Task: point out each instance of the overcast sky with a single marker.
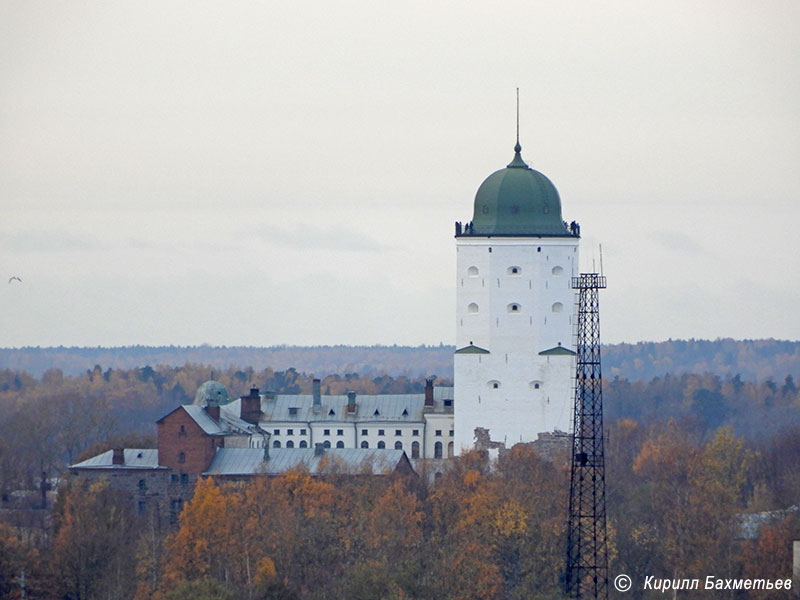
(289, 172)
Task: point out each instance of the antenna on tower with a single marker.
(601, 259)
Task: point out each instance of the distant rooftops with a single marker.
(128, 458)
(353, 461)
(368, 407)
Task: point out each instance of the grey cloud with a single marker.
(316, 238)
(48, 241)
(677, 240)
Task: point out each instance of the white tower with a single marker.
(515, 312)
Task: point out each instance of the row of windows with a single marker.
(340, 432)
(304, 444)
(473, 271)
(514, 307)
(494, 384)
(184, 478)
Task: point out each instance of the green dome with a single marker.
(518, 200)
(211, 393)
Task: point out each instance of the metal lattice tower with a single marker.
(587, 553)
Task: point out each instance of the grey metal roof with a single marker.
(250, 461)
(200, 416)
(233, 423)
(134, 458)
(369, 407)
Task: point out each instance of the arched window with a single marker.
(276, 444)
(514, 307)
(303, 444)
(340, 444)
(326, 444)
(415, 450)
(535, 385)
(365, 444)
(181, 457)
(437, 450)
(472, 271)
(450, 450)
(514, 270)
(472, 308)
(558, 307)
(381, 445)
(398, 445)
(290, 444)
(494, 384)
(557, 271)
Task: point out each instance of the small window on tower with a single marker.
(558, 307)
(472, 308)
(514, 307)
(472, 271)
(557, 271)
(494, 384)
(514, 270)
(535, 384)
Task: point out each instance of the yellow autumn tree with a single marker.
(197, 549)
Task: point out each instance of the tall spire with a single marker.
(517, 147)
(518, 162)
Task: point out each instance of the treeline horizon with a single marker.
(755, 360)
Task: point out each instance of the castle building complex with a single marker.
(514, 369)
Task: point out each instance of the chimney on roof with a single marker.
(212, 410)
(319, 449)
(351, 402)
(429, 391)
(317, 393)
(119, 457)
(250, 407)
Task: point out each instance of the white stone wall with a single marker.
(521, 288)
(353, 433)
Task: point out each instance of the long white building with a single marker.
(419, 424)
(515, 310)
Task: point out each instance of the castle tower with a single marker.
(515, 310)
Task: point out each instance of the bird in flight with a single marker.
(10, 279)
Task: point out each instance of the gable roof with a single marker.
(557, 351)
(250, 461)
(472, 349)
(133, 458)
(229, 421)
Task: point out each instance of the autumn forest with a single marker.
(687, 456)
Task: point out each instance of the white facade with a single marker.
(514, 302)
(391, 421)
